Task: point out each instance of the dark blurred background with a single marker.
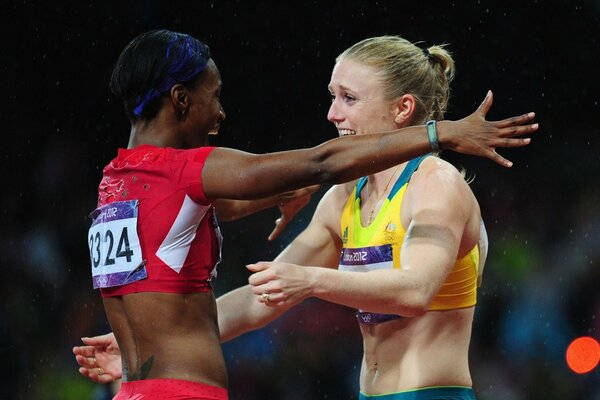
(61, 125)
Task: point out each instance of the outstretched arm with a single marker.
(233, 174)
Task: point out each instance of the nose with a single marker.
(334, 114)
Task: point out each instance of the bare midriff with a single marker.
(168, 335)
(412, 353)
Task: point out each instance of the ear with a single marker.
(403, 109)
(180, 99)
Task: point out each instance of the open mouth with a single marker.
(346, 132)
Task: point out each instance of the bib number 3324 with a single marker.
(115, 251)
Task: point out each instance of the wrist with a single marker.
(314, 280)
(445, 137)
(432, 136)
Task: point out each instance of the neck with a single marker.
(160, 132)
(380, 181)
(376, 192)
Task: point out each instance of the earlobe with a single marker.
(180, 100)
(405, 108)
(178, 93)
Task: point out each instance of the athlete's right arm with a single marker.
(289, 203)
(234, 174)
(320, 244)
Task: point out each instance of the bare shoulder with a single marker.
(330, 207)
(435, 168)
(438, 194)
(337, 195)
(439, 182)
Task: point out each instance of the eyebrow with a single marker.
(344, 88)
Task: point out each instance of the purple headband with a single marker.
(191, 59)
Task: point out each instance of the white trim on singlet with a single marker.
(174, 249)
(483, 251)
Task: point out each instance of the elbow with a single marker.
(330, 166)
(414, 305)
(414, 311)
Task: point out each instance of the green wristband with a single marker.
(433, 137)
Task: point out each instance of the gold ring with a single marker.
(100, 371)
(266, 296)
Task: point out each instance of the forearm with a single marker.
(382, 291)
(428, 253)
(344, 159)
(231, 210)
(233, 174)
(239, 312)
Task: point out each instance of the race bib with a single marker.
(365, 259)
(115, 251)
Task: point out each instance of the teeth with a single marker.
(346, 132)
(214, 132)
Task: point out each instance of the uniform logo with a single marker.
(101, 281)
(390, 232)
(365, 317)
(345, 236)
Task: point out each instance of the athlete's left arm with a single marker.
(440, 205)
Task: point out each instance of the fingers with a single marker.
(267, 287)
(280, 225)
(259, 266)
(506, 142)
(90, 369)
(492, 155)
(86, 362)
(271, 299)
(258, 277)
(85, 351)
(97, 375)
(516, 121)
(518, 130)
(102, 340)
(485, 106)
(268, 294)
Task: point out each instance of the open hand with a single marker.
(100, 358)
(476, 136)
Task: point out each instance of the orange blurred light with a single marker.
(583, 354)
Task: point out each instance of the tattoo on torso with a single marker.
(140, 374)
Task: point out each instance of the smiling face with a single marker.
(358, 105)
(205, 112)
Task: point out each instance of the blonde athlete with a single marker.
(404, 246)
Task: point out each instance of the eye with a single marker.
(332, 97)
(349, 99)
